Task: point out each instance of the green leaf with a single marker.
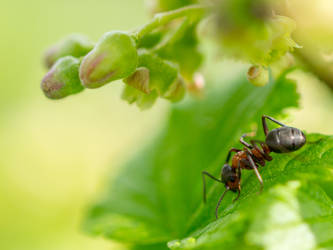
(294, 212)
(158, 196)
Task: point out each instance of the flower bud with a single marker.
(176, 91)
(139, 80)
(114, 57)
(62, 79)
(74, 45)
(258, 76)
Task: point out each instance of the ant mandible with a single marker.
(284, 139)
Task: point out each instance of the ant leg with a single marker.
(204, 182)
(219, 202)
(237, 196)
(229, 153)
(244, 142)
(264, 124)
(253, 165)
(239, 173)
(254, 144)
(239, 177)
(254, 158)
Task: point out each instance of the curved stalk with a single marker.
(193, 12)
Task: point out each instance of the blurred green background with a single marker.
(56, 155)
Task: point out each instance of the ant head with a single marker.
(230, 178)
(285, 139)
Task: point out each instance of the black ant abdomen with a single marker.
(285, 139)
(281, 140)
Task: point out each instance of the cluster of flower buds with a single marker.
(153, 65)
(77, 64)
(161, 61)
(116, 56)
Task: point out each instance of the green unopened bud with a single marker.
(176, 91)
(114, 57)
(74, 45)
(139, 80)
(258, 76)
(62, 79)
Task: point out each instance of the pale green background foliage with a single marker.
(55, 155)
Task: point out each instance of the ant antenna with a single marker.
(219, 203)
(204, 182)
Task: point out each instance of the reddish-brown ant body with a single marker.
(280, 140)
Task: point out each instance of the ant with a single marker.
(284, 139)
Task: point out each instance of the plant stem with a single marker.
(191, 11)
